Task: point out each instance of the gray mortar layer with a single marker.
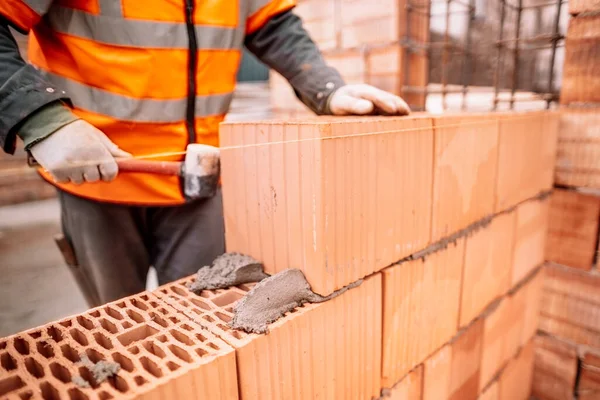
(101, 371)
(227, 270)
(273, 297)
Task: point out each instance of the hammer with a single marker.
(200, 170)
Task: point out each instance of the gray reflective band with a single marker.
(111, 8)
(39, 6)
(137, 110)
(141, 33)
(256, 5)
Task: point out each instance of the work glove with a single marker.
(362, 99)
(78, 152)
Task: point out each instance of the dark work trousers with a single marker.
(115, 245)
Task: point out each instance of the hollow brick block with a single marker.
(581, 82)
(465, 168)
(339, 198)
(330, 350)
(161, 353)
(409, 388)
(420, 309)
(533, 292)
(573, 229)
(466, 362)
(579, 148)
(588, 387)
(580, 6)
(527, 155)
(487, 268)
(437, 373)
(492, 392)
(515, 381)
(494, 354)
(530, 238)
(555, 369)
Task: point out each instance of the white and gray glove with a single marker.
(78, 152)
(362, 99)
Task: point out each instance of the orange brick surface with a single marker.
(523, 173)
(161, 354)
(420, 309)
(466, 158)
(327, 350)
(581, 82)
(555, 369)
(579, 148)
(579, 6)
(338, 198)
(490, 393)
(409, 388)
(487, 268)
(530, 238)
(588, 387)
(573, 229)
(515, 381)
(437, 374)
(466, 363)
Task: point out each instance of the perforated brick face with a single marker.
(156, 347)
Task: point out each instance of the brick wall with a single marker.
(445, 310)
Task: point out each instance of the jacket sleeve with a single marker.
(282, 43)
(23, 90)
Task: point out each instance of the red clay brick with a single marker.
(568, 281)
(581, 82)
(487, 272)
(578, 148)
(573, 229)
(569, 331)
(322, 204)
(420, 309)
(527, 155)
(588, 387)
(579, 6)
(530, 238)
(555, 369)
(492, 392)
(437, 373)
(161, 354)
(409, 388)
(466, 158)
(466, 363)
(494, 353)
(515, 381)
(326, 350)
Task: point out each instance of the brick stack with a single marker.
(367, 41)
(571, 306)
(431, 214)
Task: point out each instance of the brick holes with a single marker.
(10, 385)
(180, 353)
(78, 336)
(49, 392)
(21, 346)
(54, 333)
(126, 324)
(137, 334)
(201, 352)
(69, 353)
(154, 349)
(180, 291)
(237, 334)
(172, 366)
(119, 383)
(209, 318)
(104, 396)
(8, 362)
(108, 326)
(151, 367)
(223, 317)
(159, 320)
(66, 324)
(94, 355)
(227, 298)
(95, 314)
(26, 395)
(135, 316)
(60, 372)
(45, 349)
(205, 294)
(76, 394)
(87, 375)
(200, 337)
(113, 313)
(201, 303)
(34, 368)
(35, 334)
(140, 304)
(103, 341)
(123, 361)
(85, 323)
(134, 350)
(161, 338)
(224, 328)
(140, 381)
(213, 346)
(180, 337)
(2, 345)
(121, 304)
(187, 327)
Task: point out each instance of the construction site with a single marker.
(451, 253)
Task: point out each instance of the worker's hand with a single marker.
(363, 99)
(78, 152)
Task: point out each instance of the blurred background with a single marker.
(449, 55)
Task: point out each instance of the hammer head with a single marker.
(201, 171)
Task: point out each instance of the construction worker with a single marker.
(116, 78)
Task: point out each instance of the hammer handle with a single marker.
(152, 167)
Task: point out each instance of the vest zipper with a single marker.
(192, 71)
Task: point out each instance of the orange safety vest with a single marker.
(153, 75)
